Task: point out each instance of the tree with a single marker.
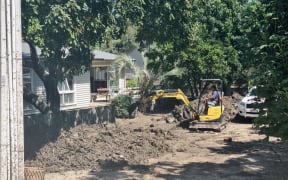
(144, 77)
(66, 31)
(199, 39)
(270, 62)
(124, 44)
(246, 38)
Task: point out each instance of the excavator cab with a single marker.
(212, 116)
(213, 112)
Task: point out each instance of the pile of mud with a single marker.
(87, 146)
(230, 103)
(91, 146)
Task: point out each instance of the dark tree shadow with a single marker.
(242, 120)
(248, 160)
(39, 130)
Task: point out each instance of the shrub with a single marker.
(125, 106)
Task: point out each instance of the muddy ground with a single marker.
(148, 147)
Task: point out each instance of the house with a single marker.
(75, 93)
(101, 72)
(102, 75)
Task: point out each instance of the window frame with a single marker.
(28, 76)
(67, 90)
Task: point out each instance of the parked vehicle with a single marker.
(248, 106)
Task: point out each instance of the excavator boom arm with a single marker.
(170, 93)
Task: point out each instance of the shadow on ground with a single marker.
(251, 160)
(40, 130)
(242, 120)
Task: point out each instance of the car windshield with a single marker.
(252, 92)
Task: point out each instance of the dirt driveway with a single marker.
(157, 150)
(148, 147)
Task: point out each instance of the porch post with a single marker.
(11, 92)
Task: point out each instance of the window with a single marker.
(27, 84)
(66, 91)
(99, 78)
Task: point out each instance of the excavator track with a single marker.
(183, 115)
(213, 126)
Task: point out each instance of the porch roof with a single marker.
(26, 54)
(104, 56)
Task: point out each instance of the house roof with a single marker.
(98, 55)
(101, 55)
(26, 50)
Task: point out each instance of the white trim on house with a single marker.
(66, 92)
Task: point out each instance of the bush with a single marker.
(132, 83)
(125, 106)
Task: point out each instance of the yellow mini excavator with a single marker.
(210, 119)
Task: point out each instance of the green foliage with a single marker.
(66, 32)
(145, 78)
(271, 72)
(132, 83)
(76, 25)
(200, 39)
(121, 104)
(124, 44)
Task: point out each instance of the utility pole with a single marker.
(11, 92)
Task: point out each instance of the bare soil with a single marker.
(148, 147)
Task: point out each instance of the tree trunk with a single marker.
(52, 97)
(50, 83)
(37, 102)
(227, 89)
(195, 88)
(52, 93)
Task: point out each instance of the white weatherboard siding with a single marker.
(82, 90)
(38, 86)
(38, 89)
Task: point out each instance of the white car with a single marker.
(247, 107)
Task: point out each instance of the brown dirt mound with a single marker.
(85, 146)
(88, 146)
(149, 148)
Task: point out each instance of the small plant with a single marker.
(125, 106)
(132, 83)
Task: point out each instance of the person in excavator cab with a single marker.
(213, 99)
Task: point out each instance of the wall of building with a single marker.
(81, 92)
(71, 118)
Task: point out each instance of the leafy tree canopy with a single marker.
(194, 35)
(66, 31)
(270, 62)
